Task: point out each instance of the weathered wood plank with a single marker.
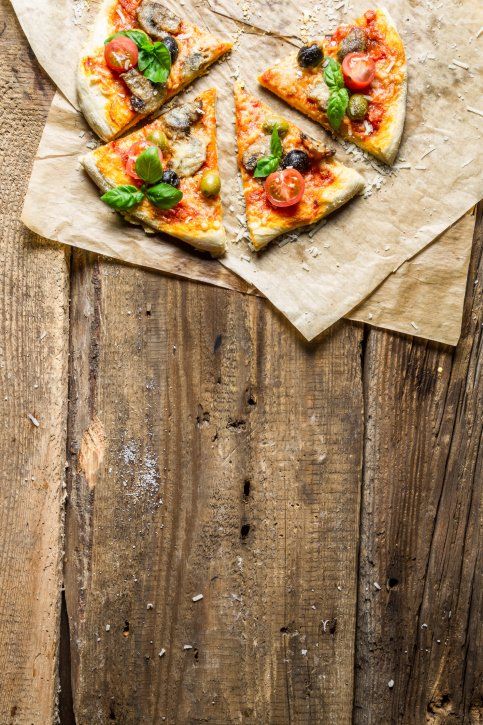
(33, 380)
(419, 540)
(215, 453)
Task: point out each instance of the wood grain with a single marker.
(33, 381)
(419, 532)
(214, 453)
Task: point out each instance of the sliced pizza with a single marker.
(138, 56)
(290, 180)
(165, 175)
(353, 82)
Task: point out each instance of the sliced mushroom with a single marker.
(316, 150)
(146, 96)
(194, 63)
(319, 92)
(253, 153)
(156, 19)
(181, 118)
(189, 155)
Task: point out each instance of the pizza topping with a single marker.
(194, 63)
(121, 54)
(123, 197)
(164, 196)
(134, 153)
(354, 42)
(153, 59)
(146, 96)
(358, 70)
(149, 165)
(189, 155)
(357, 108)
(319, 92)
(310, 56)
(171, 177)
(316, 150)
(181, 118)
(157, 20)
(339, 96)
(210, 184)
(296, 159)
(272, 121)
(267, 164)
(285, 188)
(172, 45)
(159, 138)
(254, 153)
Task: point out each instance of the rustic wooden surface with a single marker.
(323, 498)
(33, 380)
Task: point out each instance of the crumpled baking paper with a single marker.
(322, 276)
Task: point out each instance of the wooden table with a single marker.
(322, 498)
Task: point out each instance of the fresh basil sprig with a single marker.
(268, 164)
(122, 198)
(148, 165)
(150, 169)
(339, 95)
(154, 60)
(164, 196)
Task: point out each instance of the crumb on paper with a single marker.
(305, 266)
(413, 324)
(390, 684)
(162, 652)
(149, 605)
(197, 598)
(33, 420)
(474, 110)
(460, 64)
(187, 646)
(377, 586)
(303, 652)
(108, 627)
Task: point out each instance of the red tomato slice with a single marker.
(132, 156)
(121, 54)
(285, 188)
(358, 70)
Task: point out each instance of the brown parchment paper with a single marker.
(319, 277)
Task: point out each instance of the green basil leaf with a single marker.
(275, 143)
(333, 75)
(149, 166)
(265, 166)
(123, 197)
(164, 196)
(336, 107)
(155, 62)
(137, 36)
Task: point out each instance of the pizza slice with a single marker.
(353, 82)
(138, 56)
(290, 179)
(165, 175)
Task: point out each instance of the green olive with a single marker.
(269, 123)
(159, 138)
(357, 108)
(210, 183)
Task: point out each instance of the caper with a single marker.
(310, 56)
(269, 124)
(354, 42)
(357, 108)
(159, 138)
(210, 183)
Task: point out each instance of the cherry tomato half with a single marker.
(121, 54)
(358, 70)
(285, 188)
(132, 156)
